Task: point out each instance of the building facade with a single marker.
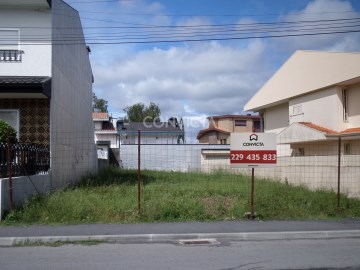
(46, 84)
(221, 126)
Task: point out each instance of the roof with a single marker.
(100, 116)
(151, 127)
(307, 132)
(234, 116)
(203, 132)
(319, 128)
(305, 72)
(26, 85)
(329, 131)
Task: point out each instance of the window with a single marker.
(345, 100)
(10, 39)
(10, 45)
(257, 126)
(297, 109)
(347, 148)
(298, 152)
(12, 118)
(222, 141)
(240, 123)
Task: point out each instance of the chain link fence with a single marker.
(331, 165)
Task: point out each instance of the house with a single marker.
(221, 126)
(107, 139)
(105, 129)
(46, 84)
(170, 132)
(313, 98)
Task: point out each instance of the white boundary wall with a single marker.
(165, 157)
(315, 172)
(22, 190)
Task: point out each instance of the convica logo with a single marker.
(253, 144)
(253, 141)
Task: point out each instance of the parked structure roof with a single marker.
(246, 116)
(151, 127)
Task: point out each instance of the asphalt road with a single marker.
(340, 253)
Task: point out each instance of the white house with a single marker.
(313, 97)
(46, 84)
(170, 132)
(105, 129)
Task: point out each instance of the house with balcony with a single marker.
(107, 139)
(312, 104)
(221, 126)
(46, 84)
(313, 99)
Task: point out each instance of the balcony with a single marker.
(10, 56)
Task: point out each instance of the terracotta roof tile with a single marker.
(99, 115)
(329, 131)
(351, 130)
(319, 128)
(204, 131)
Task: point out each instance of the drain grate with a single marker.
(209, 241)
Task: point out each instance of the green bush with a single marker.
(4, 127)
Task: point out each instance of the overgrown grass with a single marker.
(111, 197)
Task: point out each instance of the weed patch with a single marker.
(111, 197)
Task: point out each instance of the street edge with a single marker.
(163, 238)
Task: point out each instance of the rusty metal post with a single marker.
(252, 194)
(139, 174)
(10, 170)
(339, 174)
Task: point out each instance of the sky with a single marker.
(200, 58)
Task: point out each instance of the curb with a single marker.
(164, 238)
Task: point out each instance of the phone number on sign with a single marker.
(253, 157)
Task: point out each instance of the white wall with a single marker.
(314, 172)
(354, 106)
(35, 36)
(113, 138)
(73, 150)
(276, 118)
(323, 108)
(23, 189)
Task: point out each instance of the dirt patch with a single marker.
(218, 206)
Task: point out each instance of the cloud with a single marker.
(207, 78)
(320, 11)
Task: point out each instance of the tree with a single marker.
(99, 104)
(4, 127)
(139, 112)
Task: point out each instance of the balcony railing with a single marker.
(9, 56)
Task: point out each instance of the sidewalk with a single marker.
(168, 232)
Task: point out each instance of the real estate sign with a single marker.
(253, 150)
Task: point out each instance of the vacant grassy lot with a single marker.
(111, 197)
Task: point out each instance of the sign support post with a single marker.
(250, 150)
(252, 194)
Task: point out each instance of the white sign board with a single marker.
(252, 150)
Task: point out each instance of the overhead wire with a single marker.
(145, 33)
